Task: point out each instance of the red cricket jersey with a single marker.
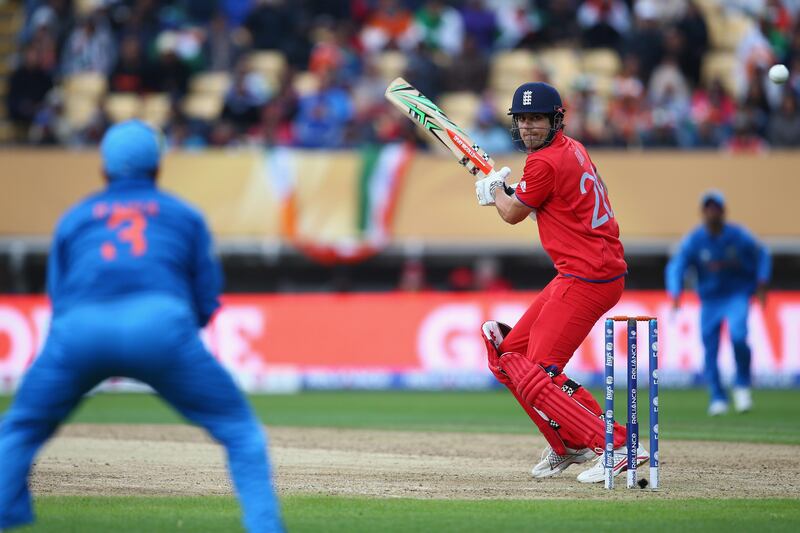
(576, 223)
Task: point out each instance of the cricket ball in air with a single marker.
(779, 73)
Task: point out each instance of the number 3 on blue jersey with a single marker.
(599, 197)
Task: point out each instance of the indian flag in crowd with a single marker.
(382, 172)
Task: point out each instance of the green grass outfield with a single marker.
(682, 417)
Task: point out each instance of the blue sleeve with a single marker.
(207, 282)
(763, 259)
(54, 267)
(676, 268)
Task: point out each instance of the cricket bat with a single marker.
(433, 120)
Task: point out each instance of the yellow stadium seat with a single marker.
(562, 65)
(79, 110)
(720, 65)
(305, 83)
(510, 69)
(203, 106)
(601, 62)
(391, 64)
(212, 83)
(86, 84)
(735, 27)
(123, 106)
(156, 109)
(461, 107)
(270, 64)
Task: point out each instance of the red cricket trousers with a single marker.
(556, 323)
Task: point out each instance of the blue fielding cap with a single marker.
(130, 149)
(713, 196)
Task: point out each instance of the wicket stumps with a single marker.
(633, 404)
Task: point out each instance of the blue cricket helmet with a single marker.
(537, 97)
(131, 150)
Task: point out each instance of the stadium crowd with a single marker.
(658, 97)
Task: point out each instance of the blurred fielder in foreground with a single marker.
(561, 187)
(131, 278)
(731, 266)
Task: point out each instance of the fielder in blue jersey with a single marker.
(132, 279)
(731, 266)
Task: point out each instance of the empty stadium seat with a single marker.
(602, 62)
(156, 109)
(271, 64)
(123, 106)
(86, 84)
(509, 69)
(204, 106)
(391, 64)
(79, 110)
(720, 65)
(562, 65)
(735, 28)
(213, 83)
(461, 107)
(305, 83)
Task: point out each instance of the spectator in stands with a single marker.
(784, 126)
(49, 125)
(171, 74)
(670, 112)
(46, 46)
(488, 133)
(224, 45)
(603, 23)
(130, 74)
(412, 277)
(440, 27)
(277, 117)
(668, 74)
(645, 40)
(480, 23)
(757, 104)
(277, 25)
(323, 116)
(53, 17)
(422, 71)
(587, 112)
(488, 276)
(332, 52)
(629, 116)
(184, 133)
(90, 47)
(27, 87)
(692, 27)
(468, 70)
(558, 26)
(712, 112)
(143, 22)
(243, 101)
(753, 53)
(388, 26)
(745, 139)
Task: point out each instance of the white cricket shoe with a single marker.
(553, 464)
(597, 473)
(717, 408)
(742, 399)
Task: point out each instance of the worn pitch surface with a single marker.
(182, 460)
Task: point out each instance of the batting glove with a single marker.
(486, 187)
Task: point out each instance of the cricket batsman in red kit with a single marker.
(561, 189)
